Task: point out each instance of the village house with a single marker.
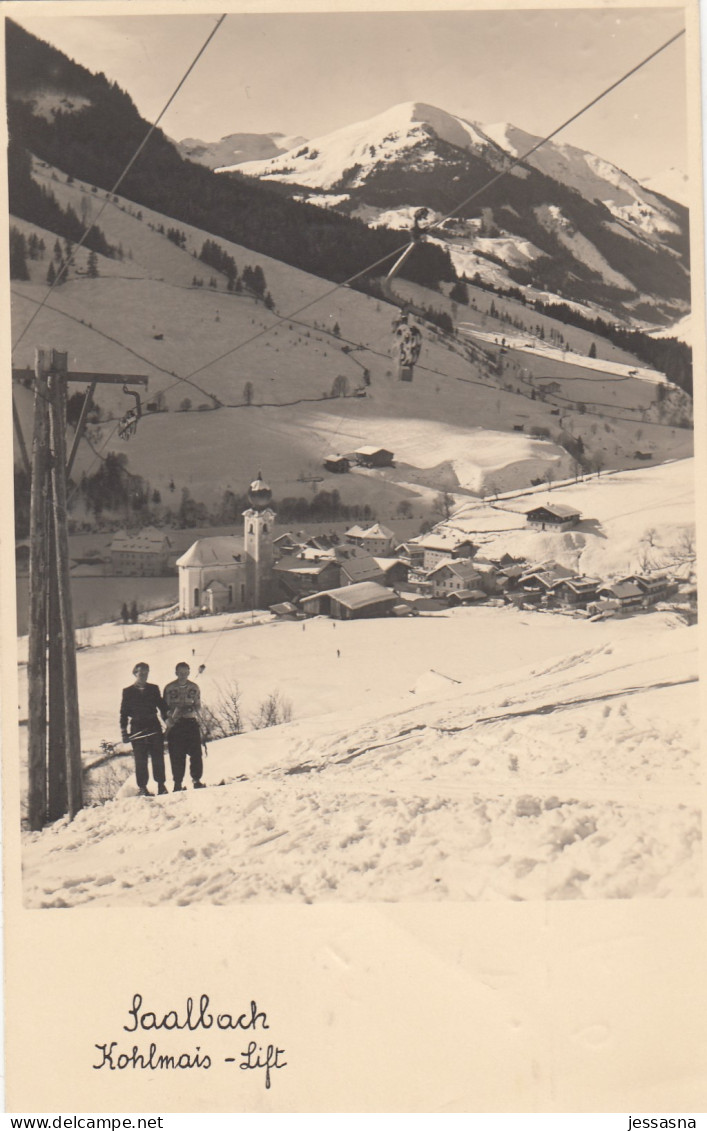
(298, 576)
(337, 463)
(553, 516)
(653, 588)
(375, 539)
(437, 546)
(543, 579)
(352, 602)
(355, 570)
(453, 575)
(286, 544)
(370, 456)
(576, 591)
(143, 554)
(395, 571)
(465, 597)
(627, 593)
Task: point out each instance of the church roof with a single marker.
(223, 549)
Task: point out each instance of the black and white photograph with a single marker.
(350, 661)
(354, 489)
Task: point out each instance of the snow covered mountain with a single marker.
(236, 148)
(671, 182)
(565, 221)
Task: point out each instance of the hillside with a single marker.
(565, 220)
(570, 774)
(143, 314)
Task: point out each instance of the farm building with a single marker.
(352, 602)
(369, 456)
(337, 463)
(452, 575)
(465, 596)
(553, 516)
(144, 554)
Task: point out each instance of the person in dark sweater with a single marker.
(141, 706)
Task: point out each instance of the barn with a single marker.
(369, 456)
(553, 516)
(352, 602)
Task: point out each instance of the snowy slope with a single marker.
(476, 753)
(236, 148)
(364, 145)
(572, 778)
(592, 176)
(672, 182)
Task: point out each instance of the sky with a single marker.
(310, 73)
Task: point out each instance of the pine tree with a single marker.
(92, 270)
(18, 255)
(51, 274)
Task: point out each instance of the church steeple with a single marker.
(258, 526)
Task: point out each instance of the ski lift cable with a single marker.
(534, 148)
(107, 200)
(401, 249)
(404, 249)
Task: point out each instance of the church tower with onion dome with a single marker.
(258, 522)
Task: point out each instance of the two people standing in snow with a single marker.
(180, 707)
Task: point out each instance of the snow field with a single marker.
(573, 778)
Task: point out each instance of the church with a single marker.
(231, 571)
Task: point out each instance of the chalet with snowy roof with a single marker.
(352, 602)
(437, 546)
(578, 591)
(452, 575)
(355, 570)
(375, 539)
(337, 463)
(298, 576)
(653, 588)
(466, 597)
(143, 554)
(370, 456)
(544, 577)
(553, 516)
(627, 593)
(285, 544)
(395, 571)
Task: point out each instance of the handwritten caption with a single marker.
(194, 1017)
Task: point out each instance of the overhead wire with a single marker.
(279, 319)
(472, 196)
(107, 200)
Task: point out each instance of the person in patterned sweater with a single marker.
(182, 699)
(139, 707)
